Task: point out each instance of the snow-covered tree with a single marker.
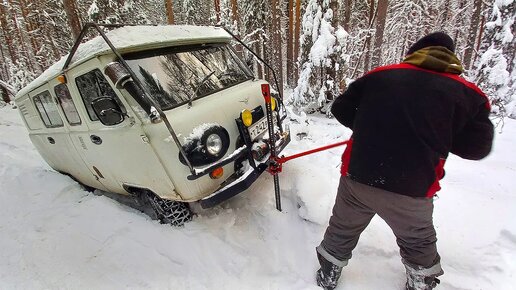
(321, 43)
(194, 12)
(495, 70)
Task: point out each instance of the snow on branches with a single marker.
(321, 43)
(495, 70)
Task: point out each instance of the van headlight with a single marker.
(207, 147)
(214, 144)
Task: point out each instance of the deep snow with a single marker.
(53, 235)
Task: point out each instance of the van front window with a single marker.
(172, 76)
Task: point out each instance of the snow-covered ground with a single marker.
(53, 235)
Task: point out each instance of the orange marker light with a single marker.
(217, 173)
(61, 79)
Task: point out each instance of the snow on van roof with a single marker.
(131, 38)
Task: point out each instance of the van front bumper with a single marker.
(240, 182)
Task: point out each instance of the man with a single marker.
(406, 119)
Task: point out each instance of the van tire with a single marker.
(171, 212)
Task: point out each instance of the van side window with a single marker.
(66, 102)
(93, 85)
(47, 110)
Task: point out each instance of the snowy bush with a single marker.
(319, 60)
(495, 69)
(19, 77)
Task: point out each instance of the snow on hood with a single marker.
(131, 38)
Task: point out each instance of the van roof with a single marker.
(133, 38)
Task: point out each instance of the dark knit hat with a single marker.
(433, 39)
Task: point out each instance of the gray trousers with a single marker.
(409, 218)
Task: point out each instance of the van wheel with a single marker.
(168, 211)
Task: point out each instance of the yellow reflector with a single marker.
(247, 118)
(273, 103)
(217, 173)
(61, 79)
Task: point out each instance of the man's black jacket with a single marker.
(405, 121)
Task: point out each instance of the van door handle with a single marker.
(51, 140)
(96, 139)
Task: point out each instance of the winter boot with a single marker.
(420, 278)
(328, 275)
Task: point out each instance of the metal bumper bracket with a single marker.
(234, 188)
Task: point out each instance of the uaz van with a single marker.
(166, 114)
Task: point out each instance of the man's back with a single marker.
(407, 119)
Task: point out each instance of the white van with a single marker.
(167, 114)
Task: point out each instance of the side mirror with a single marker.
(108, 111)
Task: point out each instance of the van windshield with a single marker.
(172, 76)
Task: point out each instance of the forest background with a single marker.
(316, 46)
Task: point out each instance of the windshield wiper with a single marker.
(198, 86)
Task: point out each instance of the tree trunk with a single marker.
(296, 39)
(5, 95)
(234, 13)
(70, 7)
(169, 8)
(276, 47)
(331, 72)
(52, 44)
(216, 3)
(30, 34)
(445, 16)
(479, 39)
(7, 34)
(380, 27)
(347, 14)
(4, 72)
(367, 45)
(472, 34)
(19, 40)
(290, 44)
(258, 48)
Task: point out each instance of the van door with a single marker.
(119, 154)
(73, 123)
(53, 140)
